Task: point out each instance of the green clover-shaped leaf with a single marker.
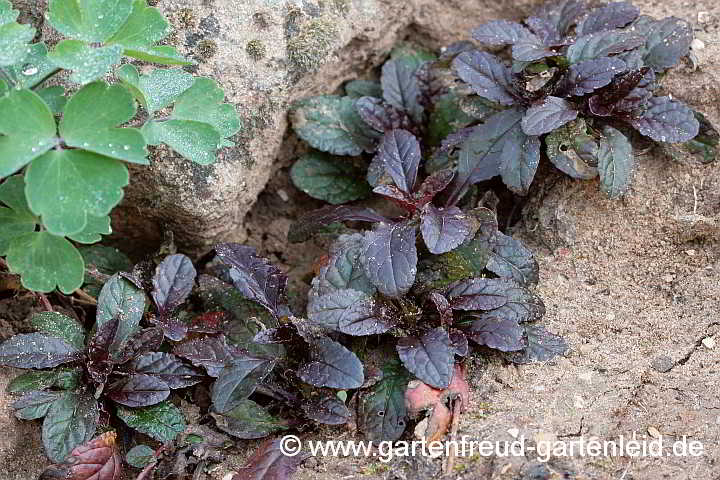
(28, 128)
(54, 97)
(14, 37)
(45, 261)
(65, 186)
(89, 20)
(144, 28)
(16, 218)
(34, 67)
(199, 123)
(158, 89)
(87, 63)
(93, 231)
(90, 120)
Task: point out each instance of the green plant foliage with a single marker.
(163, 421)
(70, 149)
(329, 178)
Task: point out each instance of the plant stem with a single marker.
(452, 452)
(7, 78)
(46, 77)
(45, 302)
(85, 296)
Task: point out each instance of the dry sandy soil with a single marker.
(632, 284)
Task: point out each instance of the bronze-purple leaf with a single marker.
(541, 346)
(332, 366)
(430, 357)
(270, 463)
(212, 353)
(443, 229)
(399, 156)
(505, 335)
(486, 75)
(168, 368)
(312, 222)
(328, 410)
(381, 115)
(36, 350)
(390, 257)
(174, 279)
(139, 390)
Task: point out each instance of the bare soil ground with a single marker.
(632, 284)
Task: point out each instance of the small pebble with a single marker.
(709, 342)
(514, 432)
(662, 364)
(703, 17)
(283, 194)
(653, 432)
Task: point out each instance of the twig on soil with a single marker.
(85, 297)
(45, 302)
(452, 452)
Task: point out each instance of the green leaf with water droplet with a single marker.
(45, 261)
(89, 20)
(65, 186)
(144, 28)
(158, 89)
(196, 141)
(61, 326)
(203, 102)
(93, 231)
(32, 380)
(90, 120)
(54, 97)
(34, 67)
(71, 421)
(27, 126)
(14, 37)
(163, 421)
(16, 219)
(88, 63)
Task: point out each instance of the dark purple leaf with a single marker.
(668, 40)
(255, 277)
(332, 366)
(505, 335)
(503, 32)
(459, 342)
(344, 269)
(609, 17)
(443, 229)
(544, 30)
(430, 358)
(602, 44)
(390, 257)
(328, 411)
(510, 258)
(248, 420)
(401, 198)
(351, 312)
(486, 75)
(238, 380)
(172, 327)
(626, 93)
(34, 405)
(310, 223)
(541, 346)
(667, 120)
(399, 156)
(561, 15)
(211, 353)
(589, 75)
(455, 49)
(380, 115)
(529, 52)
(124, 301)
(481, 154)
(269, 463)
(139, 390)
(434, 184)
(36, 350)
(477, 294)
(286, 333)
(442, 306)
(174, 279)
(520, 304)
(146, 340)
(401, 88)
(615, 162)
(544, 117)
(168, 368)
